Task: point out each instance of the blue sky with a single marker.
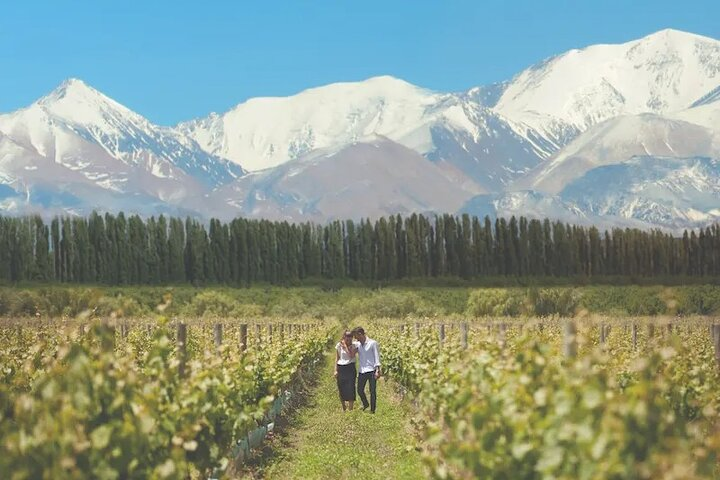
(177, 60)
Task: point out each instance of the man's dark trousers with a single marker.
(364, 378)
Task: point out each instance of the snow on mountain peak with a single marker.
(73, 87)
(85, 131)
(573, 119)
(674, 36)
(265, 132)
(663, 72)
(76, 102)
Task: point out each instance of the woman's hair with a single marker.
(348, 333)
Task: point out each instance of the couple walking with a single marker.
(355, 344)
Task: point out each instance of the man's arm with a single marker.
(376, 351)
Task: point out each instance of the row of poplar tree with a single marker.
(120, 249)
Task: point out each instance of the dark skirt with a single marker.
(346, 382)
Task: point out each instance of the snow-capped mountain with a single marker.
(618, 140)
(669, 191)
(75, 138)
(665, 72)
(643, 192)
(625, 134)
(454, 129)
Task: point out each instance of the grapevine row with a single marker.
(110, 403)
(513, 405)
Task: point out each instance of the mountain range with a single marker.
(614, 135)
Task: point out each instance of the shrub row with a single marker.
(57, 301)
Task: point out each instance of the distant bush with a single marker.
(699, 300)
(211, 304)
(553, 301)
(349, 302)
(628, 300)
(644, 301)
(496, 302)
(288, 305)
(388, 303)
(119, 306)
(81, 300)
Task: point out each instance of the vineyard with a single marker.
(143, 400)
(546, 399)
(195, 392)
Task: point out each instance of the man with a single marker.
(369, 359)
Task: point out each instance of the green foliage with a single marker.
(559, 423)
(86, 409)
(348, 302)
(119, 306)
(644, 302)
(630, 300)
(129, 250)
(553, 301)
(699, 300)
(388, 303)
(210, 303)
(520, 410)
(495, 302)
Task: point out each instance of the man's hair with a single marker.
(359, 331)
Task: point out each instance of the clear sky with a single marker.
(177, 60)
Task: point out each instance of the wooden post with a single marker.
(124, 330)
(270, 332)
(464, 335)
(181, 348)
(570, 340)
(217, 334)
(716, 341)
(441, 333)
(502, 330)
(109, 341)
(651, 331)
(670, 328)
(417, 330)
(258, 333)
(602, 334)
(634, 336)
(290, 330)
(243, 337)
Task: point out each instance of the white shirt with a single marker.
(344, 357)
(369, 355)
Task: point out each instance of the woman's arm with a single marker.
(337, 358)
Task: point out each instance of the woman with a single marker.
(345, 372)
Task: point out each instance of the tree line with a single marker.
(119, 249)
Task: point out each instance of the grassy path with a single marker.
(324, 442)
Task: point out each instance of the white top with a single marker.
(369, 355)
(344, 357)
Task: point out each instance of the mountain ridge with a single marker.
(509, 144)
